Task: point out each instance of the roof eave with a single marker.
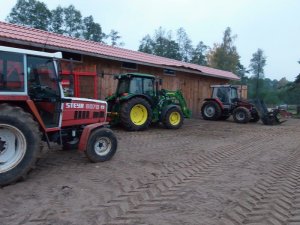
(97, 55)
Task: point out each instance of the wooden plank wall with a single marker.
(195, 87)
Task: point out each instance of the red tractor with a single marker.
(225, 102)
(33, 108)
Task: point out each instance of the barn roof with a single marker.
(39, 38)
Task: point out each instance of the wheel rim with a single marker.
(12, 147)
(138, 114)
(174, 118)
(209, 111)
(240, 116)
(102, 146)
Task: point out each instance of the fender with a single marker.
(86, 134)
(216, 100)
(166, 109)
(149, 99)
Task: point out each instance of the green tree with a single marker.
(199, 54)
(30, 13)
(146, 45)
(114, 38)
(224, 56)
(185, 45)
(257, 64)
(72, 22)
(161, 44)
(92, 31)
(57, 20)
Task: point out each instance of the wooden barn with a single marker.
(91, 60)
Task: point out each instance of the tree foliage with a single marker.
(92, 31)
(257, 63)
(163, 44)
(224, 56)
(66, 21)
(114, 37)
(30, 13)
(185, 45)
(199, 54)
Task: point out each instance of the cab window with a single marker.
(42, 75)
(11, 72)
(148, 87)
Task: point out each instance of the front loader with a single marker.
(33, 108)
(138, 102)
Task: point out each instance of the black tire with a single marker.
(106, 147)
(241, 115)
(143, 119)
(211, 111)
(19, 130)
(173, 118)
(255, 117)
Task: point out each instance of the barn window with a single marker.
(169, 72)
(128, 65)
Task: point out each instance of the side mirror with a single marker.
(160, 81)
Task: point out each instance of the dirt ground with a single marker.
(206, 173)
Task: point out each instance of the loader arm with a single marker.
(176, 97)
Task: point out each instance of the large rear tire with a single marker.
(173, 118)
(211, 111)
(241, 115)
(19, 143)
(102, 145)
(136, 114)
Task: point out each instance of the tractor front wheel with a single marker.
(19, 143)
(173, 118)
(241, 115)
(211, 111)
(102, 145)
(136, 114)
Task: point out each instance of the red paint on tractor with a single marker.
(86, 133)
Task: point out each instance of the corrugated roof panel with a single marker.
(22, 33)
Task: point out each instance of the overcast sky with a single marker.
(271, 25)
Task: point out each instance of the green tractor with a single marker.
(138, 102)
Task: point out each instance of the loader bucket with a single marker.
(267, 117)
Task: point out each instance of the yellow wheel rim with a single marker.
(138, 114)
(174, 118)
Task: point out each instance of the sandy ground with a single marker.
(204, 173)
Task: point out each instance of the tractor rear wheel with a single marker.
(211, 111)
(136, 114)
(241, 115)
(173, 118)
(19, 143)
(102, 145)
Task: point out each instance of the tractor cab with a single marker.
(227, 94)
(135, 84)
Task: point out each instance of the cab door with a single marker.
(43, 89)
